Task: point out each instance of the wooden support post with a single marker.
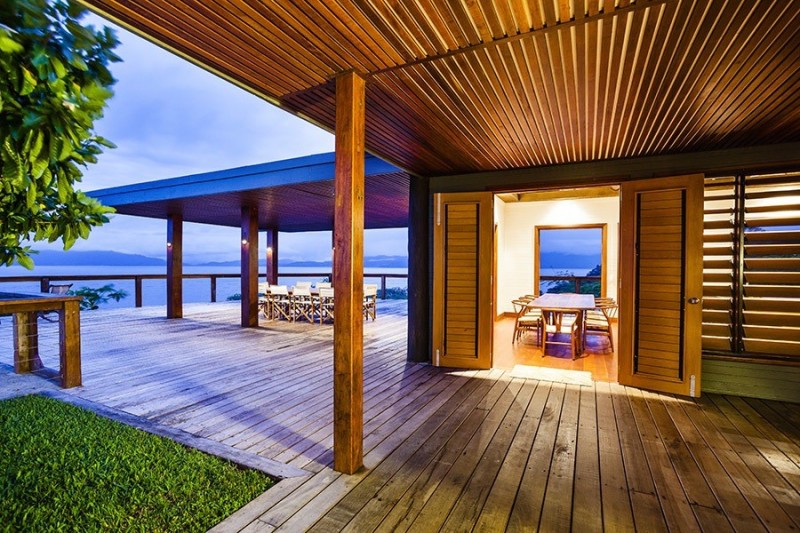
(419, 333)
(70, 344)
(213, 289)
(249, 267)
(272, 256)
(137, 290)
(175, 266)
(348, 275)
(26, 342)
(44, 285)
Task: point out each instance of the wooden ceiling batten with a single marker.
(463, 86)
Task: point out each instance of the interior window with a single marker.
(570, 259)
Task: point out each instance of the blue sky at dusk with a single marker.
(170, 118)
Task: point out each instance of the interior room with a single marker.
(564, 242)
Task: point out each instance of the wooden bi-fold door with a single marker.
(462, 280)
(661, 277)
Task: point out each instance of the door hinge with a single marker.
(692, 386)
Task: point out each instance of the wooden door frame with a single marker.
(603, 226)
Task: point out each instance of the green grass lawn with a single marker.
(63, 468)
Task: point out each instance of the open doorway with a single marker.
(561, 242)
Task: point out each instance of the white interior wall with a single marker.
(516, 223)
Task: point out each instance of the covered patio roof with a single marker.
(294, 195)
(465, 86)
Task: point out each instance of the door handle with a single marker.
(694, 300)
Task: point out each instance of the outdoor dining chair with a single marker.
(279, 302)
(370, 301)
(303, 304)
(263, 301)
(326, 304)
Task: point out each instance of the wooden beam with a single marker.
(348, 275)
(272, 256)
(175, 266)
(419, 334)
(249, 267)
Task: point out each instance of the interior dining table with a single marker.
(555, 305)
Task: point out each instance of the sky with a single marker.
(170, 118)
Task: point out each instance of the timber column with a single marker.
(419, 333)
(249, 267)
(175, 266)
(348, 275)
(272, 256)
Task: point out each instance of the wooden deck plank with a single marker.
(617, 514)
(443, 449)
(731, 500)
(528, 504)
(497, 509)
(471, 501)
(699, 494)
(676, 506)
(648, 514)
(557, 508)
(758, 496)
(587, 508)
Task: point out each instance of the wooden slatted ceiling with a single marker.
(659, 338)
(464, 85)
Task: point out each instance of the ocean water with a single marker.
(154, 292)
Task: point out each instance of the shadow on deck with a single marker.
(443, 449)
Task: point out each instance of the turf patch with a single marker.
(63, 468)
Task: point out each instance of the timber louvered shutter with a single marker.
(758, 268)
(660, 284)
(462, 316)
(660, 259)
(461, 280)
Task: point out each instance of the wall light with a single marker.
(169, 245)
(269, 249)
(244, 241)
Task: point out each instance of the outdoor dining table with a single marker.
(552, 304)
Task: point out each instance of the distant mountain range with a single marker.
(559, 260)
(107, 258)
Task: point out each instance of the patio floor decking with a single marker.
(450, 450)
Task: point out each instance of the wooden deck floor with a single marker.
(445, 450)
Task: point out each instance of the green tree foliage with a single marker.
(54, 83)
(93, 298)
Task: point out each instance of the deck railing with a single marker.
(575, 281)
(45, 281)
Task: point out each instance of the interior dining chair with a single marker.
(555, 328)
(527, 319)
(598, 320)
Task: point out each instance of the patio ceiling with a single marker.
(291, 196)
(466, 86)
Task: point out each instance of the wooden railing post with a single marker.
(383, 287)
(213, 289)
(137, 290)
(44, 285)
